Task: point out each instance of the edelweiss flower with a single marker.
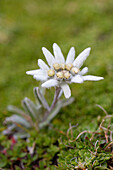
(60, 72)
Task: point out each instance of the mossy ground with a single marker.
(26, 26)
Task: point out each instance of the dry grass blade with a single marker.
(102, 109)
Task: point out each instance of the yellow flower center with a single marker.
(74, 70)
(63, 74)
(62, 66)
(51, 73)
(69, 66)
(67, 75)
(60, 74)
(56, 66)
(63, 71)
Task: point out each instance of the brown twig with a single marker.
(102, 109)
(70, 128)
(111, 133)
(107, 147)
(85, 131)
(106, 130)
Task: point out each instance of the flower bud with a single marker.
(51, 73)
(67, 75)
(62, 66)
(74, 70)
(60, 74)
(69, 66)
(56, 66)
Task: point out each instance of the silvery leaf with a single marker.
(31, 107)
(9, 129)
(42, 90)
(28, 108)
(21, 135)
(60, 94)
(66, 102)
(18, 120)
(41, 98)
(14, 109)
(19, 111)
(53, 113)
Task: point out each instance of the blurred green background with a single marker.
(28, 25)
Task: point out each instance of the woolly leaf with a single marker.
(31, 108)
(41, 97)
(51, 116)
(18, 120)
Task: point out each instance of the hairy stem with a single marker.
(57, 91)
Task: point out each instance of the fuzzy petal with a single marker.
(49, 57)
(40, 77)
(70, 56)
(35, 72)
(77, 79)
(84, 71)
(50, 83)
(42, 65)
(66, 90)
(78, 62)
(92, 78)
(58, 54)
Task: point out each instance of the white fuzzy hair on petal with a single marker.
(49, 57)
(42, 65)
(84, 71)
(71, 55)
(32, 72)
(50, 83)
(66, 90)
(92, 78)
(58, 54)
(77, 79)
(78, 62)
(40, 77)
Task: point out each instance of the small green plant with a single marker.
(28, 122)
(39, 151)
(34, 115)
(89, 149)
(58, 74)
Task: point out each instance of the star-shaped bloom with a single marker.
(59, 72)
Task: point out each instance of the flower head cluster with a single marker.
(60, 72)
